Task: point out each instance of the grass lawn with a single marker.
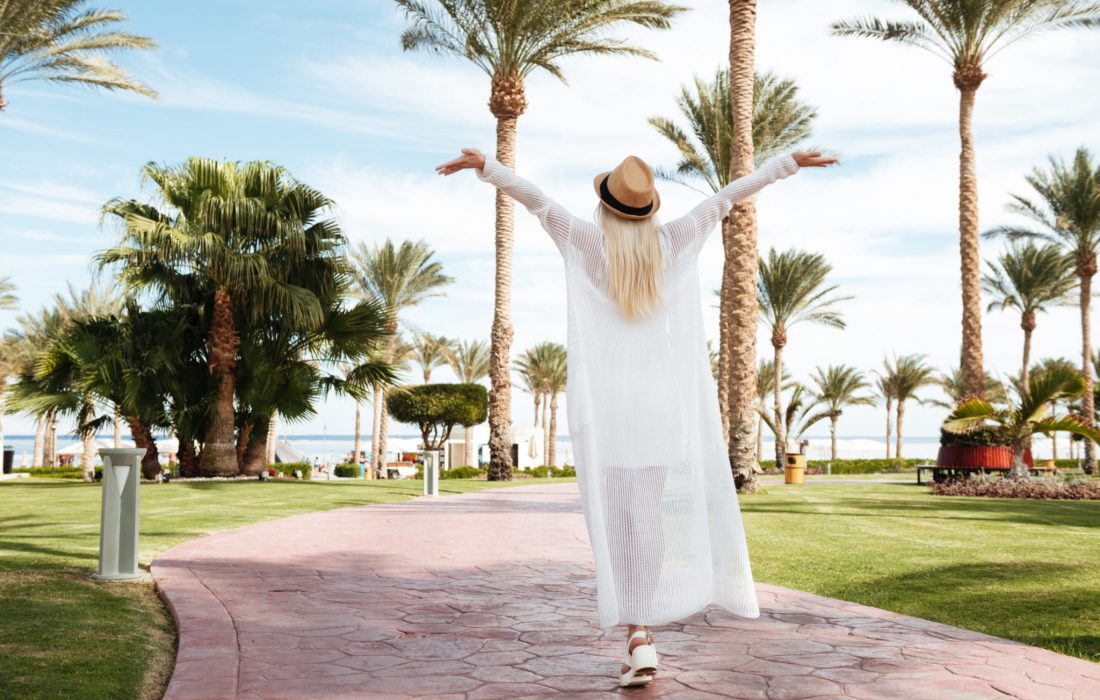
(1023, 569)
(63, 635)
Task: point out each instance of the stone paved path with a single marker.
(490, 595)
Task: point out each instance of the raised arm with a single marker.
(554, 218)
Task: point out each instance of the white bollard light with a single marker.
(431, 473)
(118, 524)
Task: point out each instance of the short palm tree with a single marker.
(905, 377)
(557, 376)
(885, 393)
(1048, 364)
(965, 34)
(779, 122)
(65, 41)
(803, 411)
(1029, 415)
(431, 352)
(1068, 215)
(399, 277)
(508, 40)
(793, 289)
(951, 382)
(765, 386)
(839, 386)
(250, 241)
(1029, 279)
(469, 360)
(537, 366)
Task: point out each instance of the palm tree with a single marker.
(837, 387)
(8, 298)
(792, 289)
(469, 360)
(1068, 215)
(557, 374)
(535, 366)
(905, 377)
(885, 392)
(249, 240)
(951, 382)
(803, 411)
(431, 352)
(1028, 278)
(64, 41)
(10, 348)
(965, 34)
(399, 277)
(765, 386)
(508, 40)
(1029, 415)
(779, 122)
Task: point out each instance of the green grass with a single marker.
(63, 635)
(1022, 569)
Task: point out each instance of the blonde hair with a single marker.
(634, 256)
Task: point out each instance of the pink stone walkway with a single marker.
(490, 595)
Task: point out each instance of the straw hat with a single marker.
(628, 191)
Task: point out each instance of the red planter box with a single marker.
(971, 457)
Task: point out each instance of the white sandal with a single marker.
(642, 661)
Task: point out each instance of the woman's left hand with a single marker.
(470, 158)
(812, 159)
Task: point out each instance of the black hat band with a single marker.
(609, 199)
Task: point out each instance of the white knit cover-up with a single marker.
(652, 464)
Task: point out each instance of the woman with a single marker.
(651, 460)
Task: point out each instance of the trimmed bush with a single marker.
(437, 408)
(288, 469)
(981, 436)
(54, 472)
(346, 471)
(850, 466)
(555, 472)
(464, 472)
(994, 486)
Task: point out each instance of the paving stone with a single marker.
(507, 611)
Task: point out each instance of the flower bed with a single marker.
(1042, 488)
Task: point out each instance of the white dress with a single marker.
(652, 464)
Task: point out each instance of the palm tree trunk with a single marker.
(255, 452)
(376, 423)
(970, 260)
(538, 402)
(832, 435)
(244, 441)
(553, 428)
(87, 453)
(468, 458)
(780, 423)
(189, 461)
(39, 440)
(1019, 469)
(50, 452)
(355, 445)
(272, 430)
(1053, 436)
(1025, 374)
(759, 439)
(545, 431)
(143, 437)
(725, 296)
(889, 407)
(381, 410)
(507, 104)
(3, 401)
(117, 441)
(1087, 401)
(741, 256)
(219, 454)
(901, 416)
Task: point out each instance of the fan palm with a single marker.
(1029, 415)
(431, 352)
(838, 386)
(1068, 215)
(792, 289)
(905, 377)
(399, 277)
(65, 41)
(1028, 278)
(802, 412)
(966, 34)
(469, 360)
(779, 122)
(249, 239)
(508, 40)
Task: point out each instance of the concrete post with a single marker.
(118, 529)
(431, 473)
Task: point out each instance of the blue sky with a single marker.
(324, 89)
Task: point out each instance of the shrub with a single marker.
(288, 469)
(555, 472)
(998, 487)
(346, 471)
(436, 408)
(981, 436)
(850, 466)
(463, 472)
(55, 472)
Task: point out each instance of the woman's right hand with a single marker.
(470, 158)
(812, 159)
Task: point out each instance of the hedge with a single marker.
(346, 471)
(288, 469)
(55, 472)
(996, 486)
(555, 472)
(463, 472)
(854, 466)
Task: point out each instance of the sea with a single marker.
(333, 449)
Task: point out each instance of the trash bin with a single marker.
(9, 459)
(796, 468)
